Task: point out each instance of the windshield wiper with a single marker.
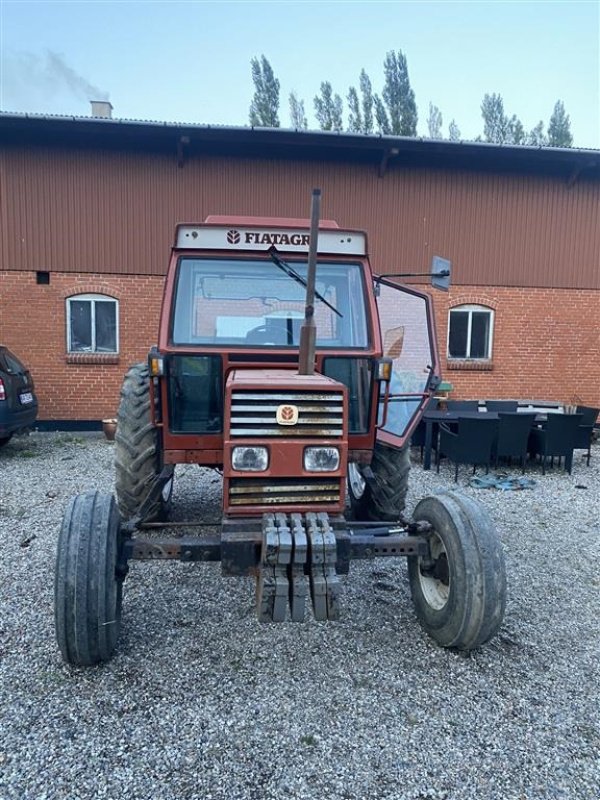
(291, 272)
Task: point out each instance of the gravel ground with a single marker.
(202, 701)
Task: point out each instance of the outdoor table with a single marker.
(452, 416)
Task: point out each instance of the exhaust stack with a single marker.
(308, 332)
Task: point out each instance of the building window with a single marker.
(470, 332)
(92, 324)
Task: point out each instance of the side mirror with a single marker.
(440, 273)
(393, 342)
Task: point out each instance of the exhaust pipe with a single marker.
(308, 331)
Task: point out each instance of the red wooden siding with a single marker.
(70, 210)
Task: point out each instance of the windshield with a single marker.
(249, 303)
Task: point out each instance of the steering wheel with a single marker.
(267, 334)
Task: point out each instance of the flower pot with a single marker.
(109, 426)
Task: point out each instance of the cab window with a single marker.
(254, 303)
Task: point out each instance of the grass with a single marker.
(66, 438)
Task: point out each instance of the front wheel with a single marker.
(383, 498)
(88, 580)
(138, 457)
(459, 593)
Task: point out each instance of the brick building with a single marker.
(88, 208)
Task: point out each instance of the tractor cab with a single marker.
(229, 350)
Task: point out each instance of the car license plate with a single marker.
(26, 397)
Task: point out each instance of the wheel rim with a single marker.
(356, 482)
(436, 586)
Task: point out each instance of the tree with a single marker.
(515, 131)
(355, 124)
(398, 96)
(264, 108)
(383, 123)
(497, 126)
(297, 113)
(559, 127)
(338, 110)
(360, 116)
(495, 123)
(453, 132)
(329, 109)
(366, 91)
(434, 122)
(536, 136)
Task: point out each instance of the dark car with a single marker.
(18, 403)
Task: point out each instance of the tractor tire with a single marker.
(460, 596)
(87, 586)
(138, 458)
(384, 498)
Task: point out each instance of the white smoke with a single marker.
(43, 84)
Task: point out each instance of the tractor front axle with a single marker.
(238, 544)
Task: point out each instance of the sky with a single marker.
(190, 61)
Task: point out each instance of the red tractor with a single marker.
(283, 362)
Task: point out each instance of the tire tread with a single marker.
(477, 602)
(87, 590)
(137, 453)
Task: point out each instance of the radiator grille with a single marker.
(283, 491)
(320, 414)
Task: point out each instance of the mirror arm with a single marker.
(442, 274)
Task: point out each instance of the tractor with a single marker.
(285, 364)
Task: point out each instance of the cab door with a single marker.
(408, 338)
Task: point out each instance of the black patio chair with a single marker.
(472, 443)
(462, 405)
(585, 431)
(556, 438)
(502, 406)
(418, 437)
(513, 436)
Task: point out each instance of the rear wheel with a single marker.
(87, 584)
(5, 439)
(459, 593)
(138, 459)
(383, 498)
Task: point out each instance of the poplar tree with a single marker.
(559, 127)
(360, 117)
(264, 108)
(355, 124)
(434, 122)
(329, 109)
(381, 117)
(453, 131)
(297, 113)
(495, 123)
(398, 96)
(536, 136)
(515, 131)
(366, 91)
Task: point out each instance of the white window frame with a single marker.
(93, 298)
(471, 308)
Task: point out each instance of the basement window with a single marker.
(92, 324)
(470, 332)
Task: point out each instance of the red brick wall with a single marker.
(546, 341)
(32, 323)
(546, 344)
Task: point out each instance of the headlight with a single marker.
(321, 459)
(250, 459)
